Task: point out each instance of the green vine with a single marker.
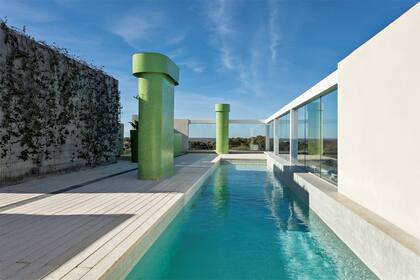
(53, 108)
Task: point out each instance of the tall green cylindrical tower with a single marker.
(158, 76)
(222, 128)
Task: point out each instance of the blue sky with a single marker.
(256, 55)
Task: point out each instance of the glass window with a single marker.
(329, 168)
(284, 137)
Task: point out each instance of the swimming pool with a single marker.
(246, 224)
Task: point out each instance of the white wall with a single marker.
(182, 126)
(379, 123)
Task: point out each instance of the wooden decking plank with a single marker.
(15, 225)
(108, 260)
(117, 239)
(85, 229)
(46, 206)
(39, 264)
(38, 255)
(76, 273)
(57, 256)
(41, 186)
(15, 218)
(57, 227)
(98, 243)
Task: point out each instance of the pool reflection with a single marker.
(221, 191)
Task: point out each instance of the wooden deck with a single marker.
(38, 188)
(85, 232)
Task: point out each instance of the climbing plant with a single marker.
(54, 109)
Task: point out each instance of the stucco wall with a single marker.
(55, 112)
(182, 126)
(379, 123)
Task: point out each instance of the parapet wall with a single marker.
(378, 123)
(55, 112)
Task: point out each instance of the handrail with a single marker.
(212, 121)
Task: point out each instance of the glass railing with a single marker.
(317, 136)
(284, 137)
(202, 137)
(316, 126)
(247, 137)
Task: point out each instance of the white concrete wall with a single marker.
(182, 126)
(379, 123)
(387, 250)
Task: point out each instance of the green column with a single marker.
(158, 76)
(222, 128)
(134, 144)
(314, 128)
(121, 148)
(178, 144)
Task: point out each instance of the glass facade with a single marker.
(284, 137)
(317, 136)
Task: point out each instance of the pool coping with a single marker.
(386, 250)
(125, 263)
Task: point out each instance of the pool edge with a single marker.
(385, 249)
(122, 267)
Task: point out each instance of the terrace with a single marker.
(310, 191)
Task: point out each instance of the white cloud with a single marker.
(227, 58)
(193, 65)
(273, 23)
(176, 38)
(222, 31)
(138, 30)
(133, 29)
(176, 53)
(250, 54)
(220, 17)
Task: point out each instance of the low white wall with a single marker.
(378, 122)
(182, 126)
(387, 250)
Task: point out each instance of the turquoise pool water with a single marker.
(245, 224)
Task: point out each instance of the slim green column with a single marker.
(121, 139)
(222, 128)
(158, 76)
(314, 128)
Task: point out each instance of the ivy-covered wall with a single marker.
(56, 112)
